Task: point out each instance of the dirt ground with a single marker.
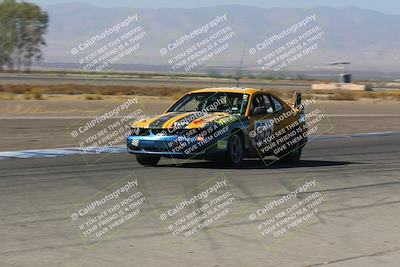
(34, 124)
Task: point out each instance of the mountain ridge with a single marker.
(366, 37)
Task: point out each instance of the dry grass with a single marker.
(7, 96)
(73, 89)
(35, 93)
(92, 97)
(389, 95)
(343, 95)
(97, 92)
(356, 95)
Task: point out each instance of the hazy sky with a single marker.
(385, 6)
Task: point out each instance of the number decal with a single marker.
(263, 129)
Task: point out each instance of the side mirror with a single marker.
(297, 101)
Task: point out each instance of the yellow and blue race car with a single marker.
(222, 125)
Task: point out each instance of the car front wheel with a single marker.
(235, 150)
(147, 160)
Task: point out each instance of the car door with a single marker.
(285, 126)
(278, 108)
(261, 121)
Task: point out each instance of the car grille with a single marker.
(168, 132)
(159, 131)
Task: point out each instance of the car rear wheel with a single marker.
(147, 160)
(292, 156)
(235, 150)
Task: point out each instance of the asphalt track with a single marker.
(359, 225)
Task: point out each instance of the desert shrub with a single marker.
(36, 93)
(7, 96)
(93, 97)
(342, 95)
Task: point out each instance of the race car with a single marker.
(222, 125)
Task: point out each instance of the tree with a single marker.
(7, 32)
(34, 23)
(22, 29)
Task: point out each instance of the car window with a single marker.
(262, 101)
(268, 104)
(277, 105)
(234, 103)
(258, 101)
(192, 104)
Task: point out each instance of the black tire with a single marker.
(147, 160)
(235, 150)
(292, 156)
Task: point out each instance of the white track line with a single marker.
(61, 152)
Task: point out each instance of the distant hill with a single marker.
(369, 39)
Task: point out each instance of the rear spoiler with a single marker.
(295, 102)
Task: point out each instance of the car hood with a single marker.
(185, 120)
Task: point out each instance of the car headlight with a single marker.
(200, 138)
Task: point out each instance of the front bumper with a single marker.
(174, 146)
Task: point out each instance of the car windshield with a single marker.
(233, 103)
